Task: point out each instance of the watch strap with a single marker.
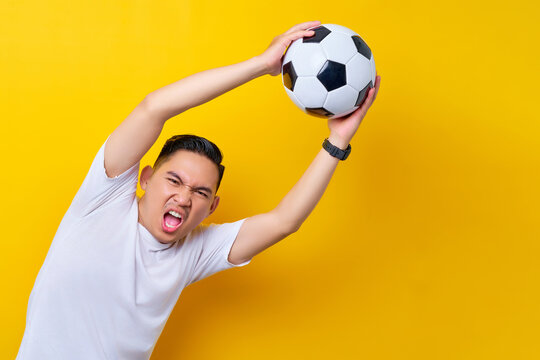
(335, 151)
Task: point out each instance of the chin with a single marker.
(166, 241)
(167, 238)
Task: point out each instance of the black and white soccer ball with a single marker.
(330, 73)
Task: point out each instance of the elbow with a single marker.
(155, 109)
(286, 222)
(160, 105)
(150, 105)
(147, 103)
(290, 228)
(294, 228)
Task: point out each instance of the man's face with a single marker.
(178, 196)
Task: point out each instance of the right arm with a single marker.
(138, 132)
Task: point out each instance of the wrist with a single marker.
(259, 65)
(338, 141)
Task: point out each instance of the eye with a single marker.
(202, 193)
(174, 181)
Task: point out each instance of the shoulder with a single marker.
(221, 230)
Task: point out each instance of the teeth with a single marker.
(175, 214)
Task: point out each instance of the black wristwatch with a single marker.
(335, 151)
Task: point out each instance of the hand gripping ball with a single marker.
(330, 73)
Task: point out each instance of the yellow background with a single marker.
(426, 243)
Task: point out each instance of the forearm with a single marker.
(202, 87)
(300, 201)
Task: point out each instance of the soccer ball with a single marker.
(330, 73)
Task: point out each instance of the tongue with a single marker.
(171, 220)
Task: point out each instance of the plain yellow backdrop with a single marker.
(426, 243)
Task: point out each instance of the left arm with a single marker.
(262, 231)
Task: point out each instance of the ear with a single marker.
(214, 205)
(146, 173)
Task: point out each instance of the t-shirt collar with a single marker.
(152, 243)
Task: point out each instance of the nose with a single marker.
(183, 196)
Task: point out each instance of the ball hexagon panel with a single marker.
(308, 60)
(310, 92)
(332, 75)
(291, 49)
(358, 72)
(341, 100)
(339, 47)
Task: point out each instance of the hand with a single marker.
(343, 129)
(272, 56)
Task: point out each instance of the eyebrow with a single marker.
(203, 188)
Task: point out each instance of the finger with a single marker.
(377, 86)
(309, 24)
(373, 94)
(360, 113)
(303, 26)
(368, 101)
(297, 35)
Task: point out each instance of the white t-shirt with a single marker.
(107, 286)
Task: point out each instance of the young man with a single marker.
(118, 264)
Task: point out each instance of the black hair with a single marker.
(193, 143)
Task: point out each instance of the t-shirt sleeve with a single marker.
(99, 190)
(217, 241)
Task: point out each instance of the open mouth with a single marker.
(171, 221)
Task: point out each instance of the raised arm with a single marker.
(262, 231)
(138, 132)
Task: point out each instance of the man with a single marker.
(118, 264)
